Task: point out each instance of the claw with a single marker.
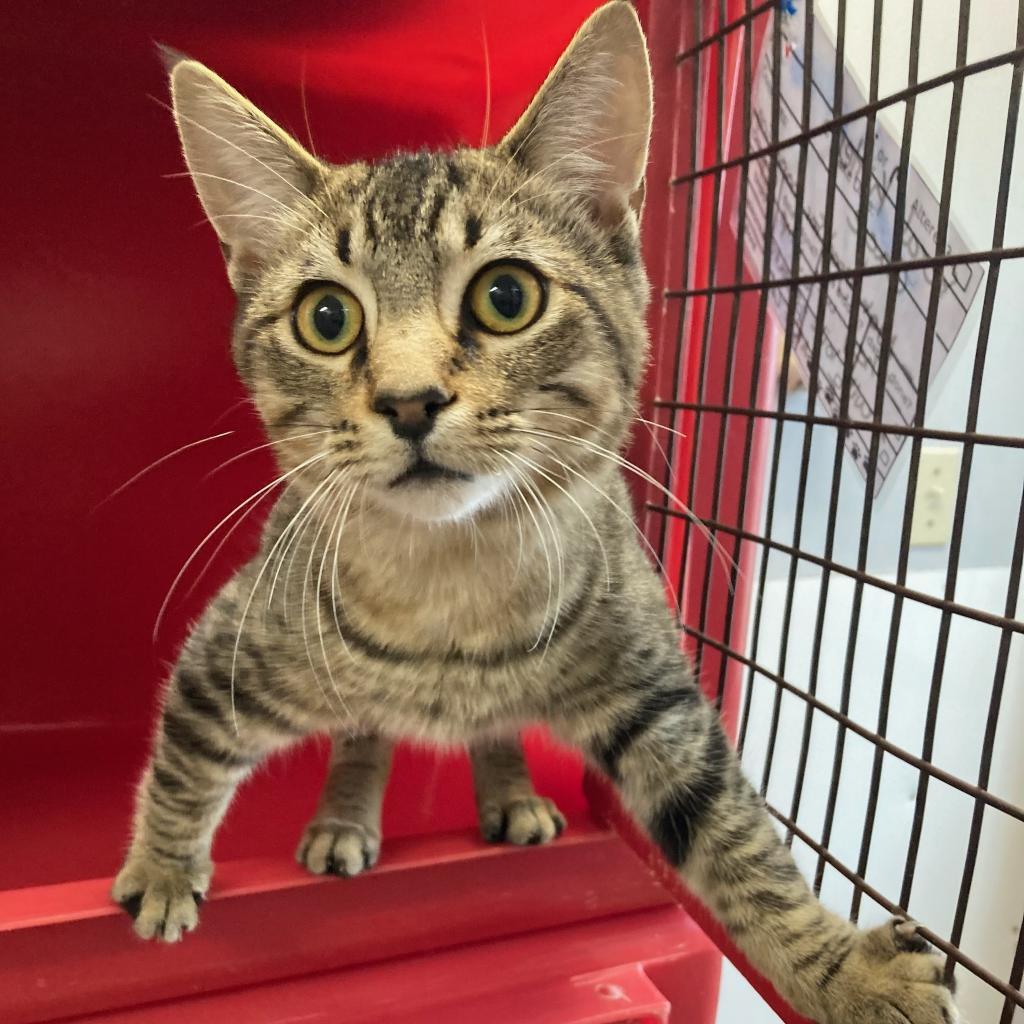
(909, 939)
(131, 905)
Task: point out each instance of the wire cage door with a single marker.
(837, 460)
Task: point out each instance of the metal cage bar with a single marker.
(718, 342)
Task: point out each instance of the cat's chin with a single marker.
(440, 500)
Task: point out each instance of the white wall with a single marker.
(997, 903)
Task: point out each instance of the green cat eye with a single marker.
(506, 297)
(328, 319)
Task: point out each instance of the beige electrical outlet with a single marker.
(937, 478)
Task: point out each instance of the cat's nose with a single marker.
(412, 416)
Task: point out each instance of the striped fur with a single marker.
(456, 611)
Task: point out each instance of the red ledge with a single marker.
(65, 950)
(648, 967)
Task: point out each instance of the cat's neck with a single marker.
(492, 540)
(516, 544)
(511, 567)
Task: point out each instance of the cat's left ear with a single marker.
(252, 177)
(589, 126)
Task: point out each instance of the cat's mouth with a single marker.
(425, 471)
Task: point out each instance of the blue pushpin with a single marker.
(788, 6)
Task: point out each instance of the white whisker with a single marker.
(627, 515)
(662, 426)
(261, 447)
(330, 493)
(487, 86)
(649, 424)
(247, 400)
(545, 511)
(252, 498)
(259, 576)
(729, 566)
(507, 502)
(335, 597)
(583, 512)
(544, 547)
(305, 118)
(159, 462)
(213, 218)
(336, 526)
(228, 535)
(545, 508)
(576, 419)
(294, 545)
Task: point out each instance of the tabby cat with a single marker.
(446, 349)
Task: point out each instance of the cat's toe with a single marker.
(162, 900)
(334, 847)
(526, 822)
(892, 975)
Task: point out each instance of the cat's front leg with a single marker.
(662, 744)
(344, 836)
(221, 715)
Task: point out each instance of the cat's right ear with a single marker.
(252, 177)
(589, 126)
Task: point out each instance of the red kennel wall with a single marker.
(116, 315)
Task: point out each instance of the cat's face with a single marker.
(445, 330)
(428, 317)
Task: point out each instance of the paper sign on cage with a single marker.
(921, 221)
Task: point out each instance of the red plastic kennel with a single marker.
(117, 315)
(116, 320)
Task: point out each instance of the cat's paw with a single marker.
(162, 899)
(331, 846)
(523, 822)
(891, 976)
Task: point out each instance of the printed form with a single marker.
(959, 282)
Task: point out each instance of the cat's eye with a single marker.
(506, 297)
(328, 319)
